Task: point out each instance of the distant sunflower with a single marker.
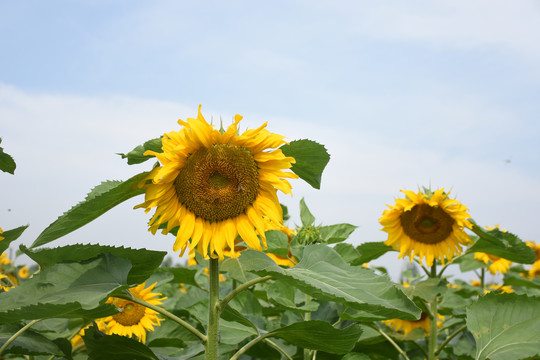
(535, 247)
(427, 224)
(134, 319)
(215, 185)
(1, 232)
(407, 326)
(23, 272)
(496, 264)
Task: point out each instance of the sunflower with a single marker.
(535, 247)
(215, 185)
(23, 272)
(408, 326)
(134, 319)
(496, 264)
(428, 224)
(1, 232)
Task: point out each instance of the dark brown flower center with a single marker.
(131, 313)
(427, 224)
(219, 182)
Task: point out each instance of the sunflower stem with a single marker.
(433, 322)
(223, 303)
(482, 279)
(390, 340)
(307, 317)
(449, 338)
(17, 334)
(164, 312)
(213, 312)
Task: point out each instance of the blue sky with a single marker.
(403, 94)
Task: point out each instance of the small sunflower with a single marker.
(535, 247)
(407, 326)
(496, 264)
(1, 232)
(23, 272)
(134, 319)
(215, 185)
(534, 271)
(426, 224)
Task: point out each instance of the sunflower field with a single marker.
(252, 287)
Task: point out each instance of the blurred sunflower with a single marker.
(496, 264)
(134, 319)
(23, 272)
(1, 232)
(428, 224)
(407, 326)
(215, 185)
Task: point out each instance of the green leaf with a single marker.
(181, 275)
(371, 251)
(502, 244)
(234, 332)
(66, 290)
(9, 236)
(100, 200)
(283, 295)
(427, 290)
(505, 326)
(115, 347)
(514, 279)
(143, 261)
(319, 335)
(27, 343)
(277, 242)
(347, 252)
(136, 156)
(305, 215)
(311, 159)
(467, 262)
(324, 275)
(236, 271)
(7, 164)
(332, 234)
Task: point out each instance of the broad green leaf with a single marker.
(115, 347)
(502, 244)
(144, 262)
(233, 315)
(181, 275)
(311, 159)
(355, 356)
(371, 251)
(319, 335)
(7, 164)
(505, 326)
(347, 251)
(283, 295)
(169, 333)
(28, 343)
(427, 290)
(234, 332)
(349, 313)
(467, 262)
(514, 279)
(277, 242)
(100, 200)
(324, 275)
(285, 212)
(234, 269)
(66, 290)
(306, 216)
(136, 156)
(332, 234)
(9, 236)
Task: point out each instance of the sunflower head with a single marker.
(407, 326)
(426, 224)
(134, 319)
(213, 186)
(496, 264)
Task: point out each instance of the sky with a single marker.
(402, 94)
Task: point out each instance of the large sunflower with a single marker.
(216, 185)
(426, 224)
(134, 319)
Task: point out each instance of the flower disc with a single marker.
(218, 183)
(428, 225)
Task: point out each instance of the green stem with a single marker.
(433, 322)
(239, 289)
(17, 334)
(276, 346)
(449, 338)
(482, 279)
(307, 317)
(164, 312)
(246, 347)
(391, 341)
(213, 312)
